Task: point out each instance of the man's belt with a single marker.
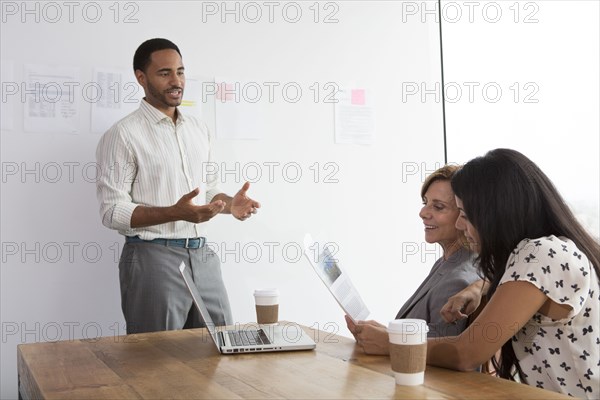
(190, 243)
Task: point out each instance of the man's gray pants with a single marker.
(153, 293)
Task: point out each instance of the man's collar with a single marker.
(155, 115)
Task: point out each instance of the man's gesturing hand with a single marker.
(186, 209)
(242, 206)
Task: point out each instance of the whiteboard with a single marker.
(59, 266)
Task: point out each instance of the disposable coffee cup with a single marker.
(267, 306)
(408, 350)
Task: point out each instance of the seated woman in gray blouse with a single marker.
(450, 274)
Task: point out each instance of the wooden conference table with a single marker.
(185, 364)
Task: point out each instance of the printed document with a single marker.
(335, 278)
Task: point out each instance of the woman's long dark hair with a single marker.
(507, 198)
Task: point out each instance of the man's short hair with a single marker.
(141, 58)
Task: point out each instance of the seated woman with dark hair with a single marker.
(451, 273)
(541, 273)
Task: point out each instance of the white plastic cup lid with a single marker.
(408, 326)
(266, 292)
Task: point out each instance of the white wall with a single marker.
(49, 293)
(544, 56)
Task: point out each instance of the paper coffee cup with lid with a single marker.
(408, 350)
(267, 306)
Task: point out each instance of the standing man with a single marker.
(155, 191)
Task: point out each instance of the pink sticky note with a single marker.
(357, 97)
(225, 92)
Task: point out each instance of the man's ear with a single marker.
(141, 77)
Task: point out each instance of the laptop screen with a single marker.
(189, 282)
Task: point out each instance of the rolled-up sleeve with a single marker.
(117, 170)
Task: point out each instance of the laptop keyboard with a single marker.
(248, 337)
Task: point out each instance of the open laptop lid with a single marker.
(291, 337)
(210, 326)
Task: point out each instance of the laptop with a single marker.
(249, 339)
